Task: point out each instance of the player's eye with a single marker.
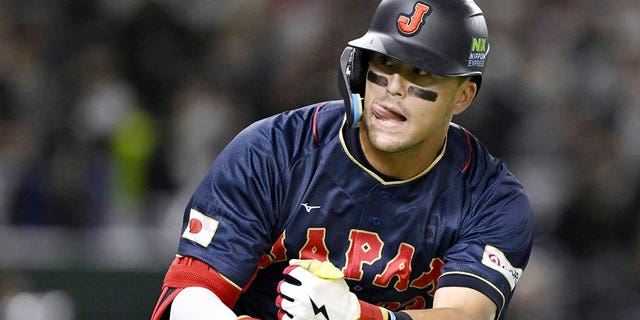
(419, 72)
(385, 61)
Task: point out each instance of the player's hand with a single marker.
(243, 317)
(312, 289)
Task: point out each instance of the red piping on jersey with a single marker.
(466, 166)
(314, 127)
(190, 272)
(163, 302)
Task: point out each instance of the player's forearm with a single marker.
(445, 314)
(196, 303)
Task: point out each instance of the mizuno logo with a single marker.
(322, 310)
(308, 207)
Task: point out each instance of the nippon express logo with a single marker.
(496, 260)
(478, 53)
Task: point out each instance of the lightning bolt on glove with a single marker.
(317, 290)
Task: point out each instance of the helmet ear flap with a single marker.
(351, 82)
(360, 66)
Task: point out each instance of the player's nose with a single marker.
(396, 85)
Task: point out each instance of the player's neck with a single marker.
(402, 165)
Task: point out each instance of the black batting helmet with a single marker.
(444, 37)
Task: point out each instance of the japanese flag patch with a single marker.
(200, 228)
(496, 260)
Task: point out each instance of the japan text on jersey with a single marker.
(291, 187)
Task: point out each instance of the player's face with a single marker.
(406, 108)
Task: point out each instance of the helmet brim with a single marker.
(428, 60)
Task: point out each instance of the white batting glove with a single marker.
(315, 290)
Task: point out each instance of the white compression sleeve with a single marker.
(197, 303)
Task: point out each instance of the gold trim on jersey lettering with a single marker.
(272, 256)
(351, 250)
(504, 299)
(396, 274)
(315, 256)
(377, 177)
(433, 274)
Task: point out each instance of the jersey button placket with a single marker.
(378, 201)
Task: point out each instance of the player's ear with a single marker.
(464, 96)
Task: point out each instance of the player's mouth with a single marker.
(386, 115)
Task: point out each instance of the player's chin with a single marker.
(387, 142)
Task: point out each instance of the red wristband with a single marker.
(372, 312)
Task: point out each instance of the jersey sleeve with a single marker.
(494, 244)
(229, 221)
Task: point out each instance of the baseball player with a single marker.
(376, 206)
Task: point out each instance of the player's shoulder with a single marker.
(468, 153)
(301, 124)
(489, 180)
(472, 159)
(300, 118)
(296, 131)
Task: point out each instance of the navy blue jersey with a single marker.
(289, 187)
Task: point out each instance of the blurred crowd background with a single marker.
(111, 112)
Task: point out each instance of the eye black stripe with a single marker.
(377, 79)
(423, 93)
